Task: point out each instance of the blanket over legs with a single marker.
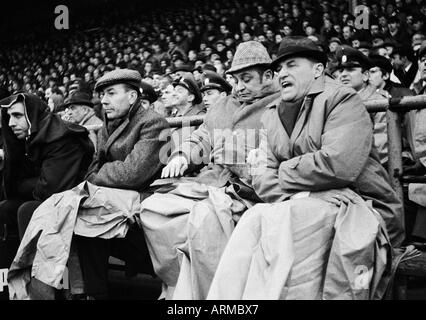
(305, 249)
(87, 210)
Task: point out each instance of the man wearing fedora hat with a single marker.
(220, 192)
(317, 162)
(79, 109)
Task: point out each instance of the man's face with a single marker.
(374, 29)
(248, 84)
(353, 77)
(422, 67)
(145, 104)
(210, 97)
(181, 96)
(295, 77)
(397, 61)
(18, 121)
(333, 46)
(347, 33)
(116, 101)
(76, 113)
(167, 96)
(377, 78)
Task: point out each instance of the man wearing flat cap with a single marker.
(79, 109)
(206, 207)
(128, 157)
(317, 163)
(214, 87)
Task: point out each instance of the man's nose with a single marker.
(282, 73)
(12, 122)
(104, 100)
(239, 86)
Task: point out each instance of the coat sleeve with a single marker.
(196, 148)
(60, 169)
(140, 165)
(346, 143)
(265, 182)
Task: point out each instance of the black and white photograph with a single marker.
(222, 151)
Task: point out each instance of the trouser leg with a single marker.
(25, 212)
(94, 254)
(134, 251)
(9, 240)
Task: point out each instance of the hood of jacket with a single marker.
(44, 126)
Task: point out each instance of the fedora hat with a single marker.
(298, 46)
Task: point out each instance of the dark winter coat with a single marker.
(53, 158)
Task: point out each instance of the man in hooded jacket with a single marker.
(42, 156)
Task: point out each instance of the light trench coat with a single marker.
(175, 220)
(307, 248)
(331, 147)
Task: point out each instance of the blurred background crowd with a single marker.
(191, 36)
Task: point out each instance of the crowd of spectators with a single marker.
(158, 42)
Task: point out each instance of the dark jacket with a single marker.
(129, 150)
(53, 158)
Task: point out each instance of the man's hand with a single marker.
(175, 168)
(1, 154)
(256, 160)
(336, 196)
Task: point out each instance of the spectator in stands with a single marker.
(187, 98)
(354, 73)
(405, 65)
(129, 145)
(43, 156)
(55, 101)
(298, 173)
(79, 109)
(214, 88)
(224, 135)
(420, 86)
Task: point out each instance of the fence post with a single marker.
(393, 120)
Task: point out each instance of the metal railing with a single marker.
(394, 108)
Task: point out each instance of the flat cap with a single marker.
(191, 86)
(349, 57)
(127, 76)
(249, 54)
(298, 46)
(381, 62)
(213, 80)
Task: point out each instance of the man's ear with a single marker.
(318, 70)
(223, 94)
(133, 96)
(268, 75)
(191, 98)
(365, 75)
(386, 76)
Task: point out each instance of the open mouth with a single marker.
(286, 85)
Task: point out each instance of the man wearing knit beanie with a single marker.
(230, 130)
